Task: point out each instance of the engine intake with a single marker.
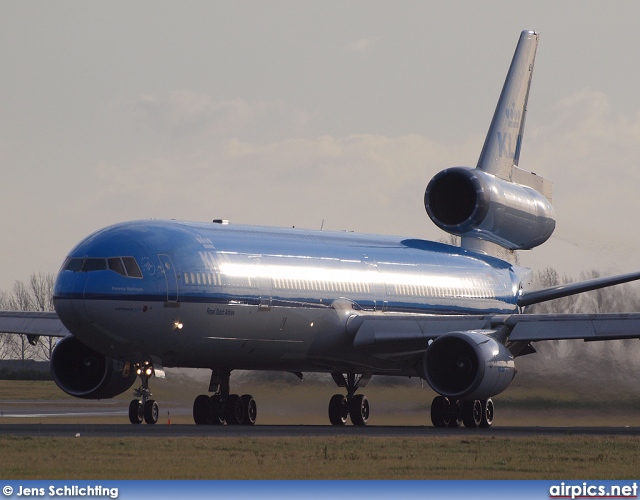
(469, 202)
(468, 365)
(85, 373)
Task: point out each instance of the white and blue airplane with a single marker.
(139, 296)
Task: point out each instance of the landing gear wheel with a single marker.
(471, 413)
(487, 413)
(338, 410)
(233, 410)
(440, 411)
(249, 409)
(151, 411)
(218, 411)
(135, 411)
(203, 410)
(359, 410)
(455, 412)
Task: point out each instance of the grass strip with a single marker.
(539, 457)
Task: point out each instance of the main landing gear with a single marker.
(223, 407)
(144, 408)
(447, 412)
(352, 405)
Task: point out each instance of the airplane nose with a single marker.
(68, 298)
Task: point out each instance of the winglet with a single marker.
(501, 150)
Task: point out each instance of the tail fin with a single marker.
(501, 151)
(498, 208)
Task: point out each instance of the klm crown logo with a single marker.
(513, 116)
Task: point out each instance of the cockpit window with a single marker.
(94, 265)
(73, 265)
(115, 264)
(130, 264)
(125, 266)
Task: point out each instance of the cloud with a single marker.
(259, 163)
(360, 45)
(287, 182)
(256, 162)
(186, 114)
(591, 153)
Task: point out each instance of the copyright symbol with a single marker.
(7, 491)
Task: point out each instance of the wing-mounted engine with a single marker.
(473, 203)
(468, 365)
(85, 373)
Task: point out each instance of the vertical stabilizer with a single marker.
(501, 150)
(497, 207)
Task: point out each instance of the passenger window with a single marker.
(74, 265)
(115, 264)
(94, 265)
(130, 264)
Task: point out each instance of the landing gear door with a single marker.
(170, 277)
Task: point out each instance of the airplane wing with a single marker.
(537, 327)
(403, 335)
(46, 324)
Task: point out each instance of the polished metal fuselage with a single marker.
(243, 297)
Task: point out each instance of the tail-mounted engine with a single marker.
(468, 365)
(470, 202)
(85, 373)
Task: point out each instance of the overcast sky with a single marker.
(291, 113)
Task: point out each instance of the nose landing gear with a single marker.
(144, 408)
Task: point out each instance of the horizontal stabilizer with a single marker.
(559, 291)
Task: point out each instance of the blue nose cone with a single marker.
(113, 263)
(114, 266)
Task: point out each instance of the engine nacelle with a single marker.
(85, 373)
(469, 202)
(468, 365)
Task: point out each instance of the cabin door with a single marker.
(170, 277)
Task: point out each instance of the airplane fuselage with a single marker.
(214, 295)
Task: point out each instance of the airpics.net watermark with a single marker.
(61, 491)
(586, 490)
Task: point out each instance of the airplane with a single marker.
(136, 297)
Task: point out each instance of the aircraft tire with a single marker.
(338, 410)
(455, 413)
(151, 412)
(135, 411)
(203, 410)
(471, 413)
(250, 409)
(233, 410)
(440, 411)
(217, 417)
(487, 413)
(359, 410)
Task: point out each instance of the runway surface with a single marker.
(182, 430)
